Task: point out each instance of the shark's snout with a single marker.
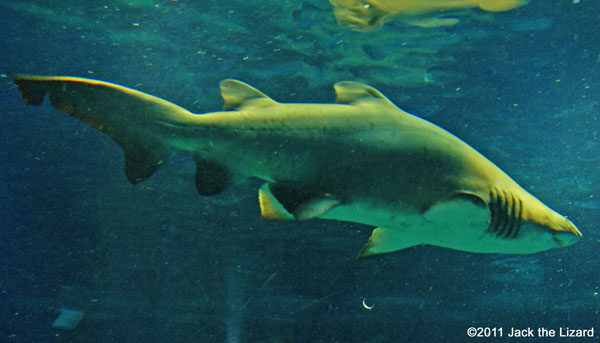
(563, 239)
(564, 233)
(568, 226)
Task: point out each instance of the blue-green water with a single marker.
(157, 262)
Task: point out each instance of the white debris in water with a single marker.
(68, 319)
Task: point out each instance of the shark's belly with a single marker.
(459, 225)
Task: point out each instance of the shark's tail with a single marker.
(131, 118)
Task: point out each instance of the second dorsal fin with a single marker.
(237, 94)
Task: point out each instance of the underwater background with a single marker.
(157, 262)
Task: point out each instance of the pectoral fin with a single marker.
(457, 211)
(384, 240)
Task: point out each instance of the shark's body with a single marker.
(368, 15)
(360, 160)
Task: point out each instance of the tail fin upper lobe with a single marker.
(128, 116)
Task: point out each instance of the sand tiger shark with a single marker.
(361, 160)
(369, 15)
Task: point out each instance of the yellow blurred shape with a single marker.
(370, 15)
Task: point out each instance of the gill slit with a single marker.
(505, 212)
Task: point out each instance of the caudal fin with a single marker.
(132, 118)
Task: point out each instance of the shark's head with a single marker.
(536, 237)
(517, 215)
(359, 15)
(556, 227)
(529, 237)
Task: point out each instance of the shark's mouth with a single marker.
(505, 214)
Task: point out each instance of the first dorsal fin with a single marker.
(349, 92)
(236, 94)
